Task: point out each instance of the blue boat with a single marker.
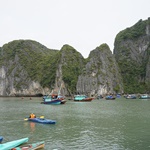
(1, 139)
(110, 97)
(118, 96)
(13, 144)
(53, 99)
(41, 120)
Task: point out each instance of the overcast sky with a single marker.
(83, 24)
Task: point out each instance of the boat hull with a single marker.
(110, 98)
(63, 101)
(33, 146)
(53, 99)
(52, 102)
(12, 144)
(42, 120)
(84, 100)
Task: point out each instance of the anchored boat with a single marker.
(144, 96)
(53, 99)
(110, 97)
(82, 98)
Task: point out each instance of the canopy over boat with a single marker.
(12, 144)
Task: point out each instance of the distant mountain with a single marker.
(29, 68)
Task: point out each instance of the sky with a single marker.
(83, 24)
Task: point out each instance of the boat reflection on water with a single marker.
(32, 126)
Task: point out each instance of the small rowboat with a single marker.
(12, 144)
(1, 139)
(41, 120)
(33, 146)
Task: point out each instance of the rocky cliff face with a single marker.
(29, 68)
(132, 47)
(101, 74)
(70, 67)
(17, 81)
(18, 75)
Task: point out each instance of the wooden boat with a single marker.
(12, 144)
(53, 99)
(41, 120)
(1, 139)
(33, 146)
(82, 98)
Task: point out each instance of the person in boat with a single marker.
(32, 115)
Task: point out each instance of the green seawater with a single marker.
(121, 124)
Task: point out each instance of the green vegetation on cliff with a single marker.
(130, 73)
(32, 57)
(133, 32)
(29, 60)
(72, 66)
(132, 56)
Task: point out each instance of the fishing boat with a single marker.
(144, 96)
(53, 99)
(132, 96)
(110, 97)
(118, 96)
(1, 139)
(41, 120)
(33, 146)
(82, 98)
(13, 144)
(99, 97)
